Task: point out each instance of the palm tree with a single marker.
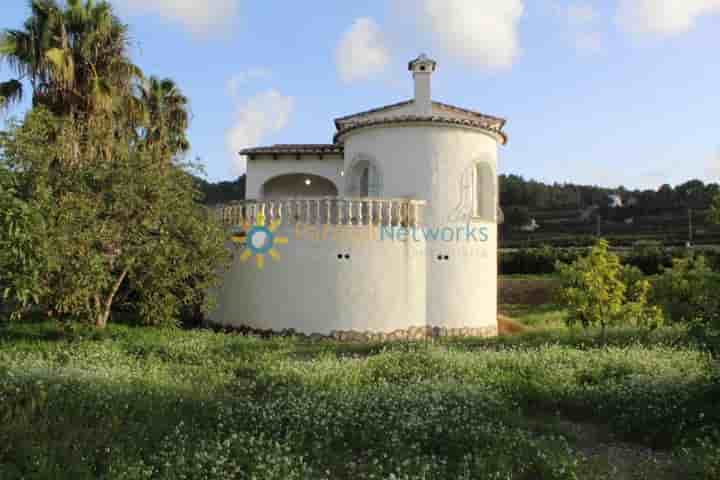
(75, 58)
(165, 112)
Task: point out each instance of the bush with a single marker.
(599, 291)
(650, 257)
(688, 290)
(688, 293)
(534, 261)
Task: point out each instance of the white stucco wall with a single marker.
(432, 162)
(263, 168)
(381, 288)
(385, 285)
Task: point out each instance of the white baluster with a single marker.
(360, 212)
(350, 212)
(328, 204)
(371, 206)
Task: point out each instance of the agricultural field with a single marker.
(154, 403)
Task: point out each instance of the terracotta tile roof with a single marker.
(490, 124)
(474, 113)
(342, 122)
(295, 149)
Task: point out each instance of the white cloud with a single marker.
(243, 78)
(261, 115)
(198, 16)
(479, 32)
(581, 18)
(361, 53)
(664, 17)
(580, 13)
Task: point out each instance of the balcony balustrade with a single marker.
(325, 211)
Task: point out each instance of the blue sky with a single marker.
(621, 92)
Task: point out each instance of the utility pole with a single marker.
(690, 226)
(599, 229)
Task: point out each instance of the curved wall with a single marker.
(435, 163)
(442, 276)
(380, 288)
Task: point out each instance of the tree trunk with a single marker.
(102, 319)
(103, 309)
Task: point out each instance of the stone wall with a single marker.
(351, 336)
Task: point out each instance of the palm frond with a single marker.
(62, 64)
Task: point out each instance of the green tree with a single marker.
(598, 291)
(715, 212)
(517, 217)
(165, 115)
(118, 218)
(688, 290)
(74, 57)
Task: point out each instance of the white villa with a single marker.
(389, 232)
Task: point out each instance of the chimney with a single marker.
(422, 68)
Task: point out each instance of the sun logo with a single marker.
(260, 241)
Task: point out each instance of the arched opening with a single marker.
(484, 195)
(298, 185)
(364, 179)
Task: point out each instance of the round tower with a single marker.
(447, 156)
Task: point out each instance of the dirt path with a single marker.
(606, 457)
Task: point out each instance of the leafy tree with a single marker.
(599, 291)
(222, 192)
(23, 247)
(118, 217)
(715, 215)
(688, 290)
(517, 217)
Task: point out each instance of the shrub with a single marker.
(534, 261)
(650, 257)
(688, 292)
(599, 291)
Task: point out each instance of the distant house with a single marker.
(615, 201)
(531, 226)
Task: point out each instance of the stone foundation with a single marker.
(411, 334)
(414, 333)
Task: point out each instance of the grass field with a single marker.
(142, 403)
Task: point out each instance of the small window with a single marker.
(484, 192)
(364, 179)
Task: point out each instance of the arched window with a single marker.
(484, 192)
(364, 179)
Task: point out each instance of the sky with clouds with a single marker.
(609, 92)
